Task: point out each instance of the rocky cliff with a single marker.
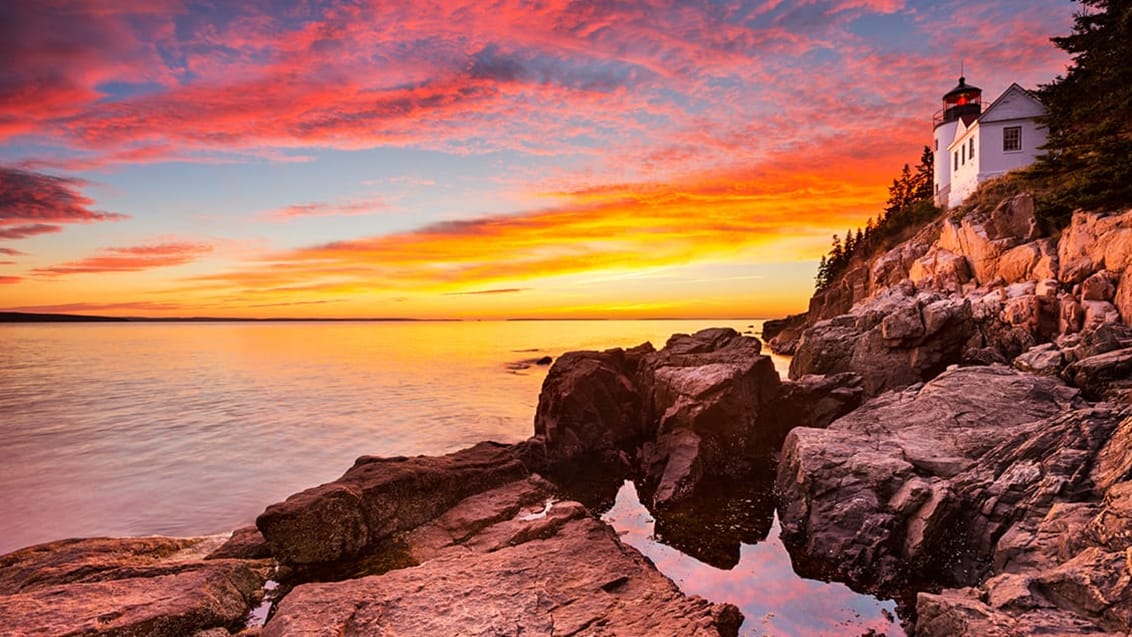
(989, 474)
(979, 288)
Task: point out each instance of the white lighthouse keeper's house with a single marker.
(972, 145)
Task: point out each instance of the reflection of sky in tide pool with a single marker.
(774, 600)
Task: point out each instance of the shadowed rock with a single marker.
(879, 494)
(378, 497)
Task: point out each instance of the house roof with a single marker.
(964, 125)
(1013, 88)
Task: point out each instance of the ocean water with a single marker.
(122, 429)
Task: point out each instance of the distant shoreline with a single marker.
(35, 317)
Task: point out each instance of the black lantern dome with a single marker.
(962, 102)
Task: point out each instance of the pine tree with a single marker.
(922, 186)
(1089, 145)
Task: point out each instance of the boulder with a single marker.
(1099, 286)
(774, 327)
(1098, 313)
(378, 497)
(984, 239)
(1095, 242)
(816, 401)
(246, 543)
(710, 396)
(132, 586)
(879, 495)
(1103, 375)
(891, 341)
(1045, 359)
(1123, 297)
(590, 405)
(528, 584)
(782, 335)
(940, 270)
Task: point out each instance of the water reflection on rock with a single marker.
(747, 566)
(712, 525)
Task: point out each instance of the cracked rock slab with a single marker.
(578, 580)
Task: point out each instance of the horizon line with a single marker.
(13, 316)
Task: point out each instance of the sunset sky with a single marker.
(479, 159)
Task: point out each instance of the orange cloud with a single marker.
(9, 279)
(625, 227)
(131, 259)
(128, 306)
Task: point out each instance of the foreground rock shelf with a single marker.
(956, 433)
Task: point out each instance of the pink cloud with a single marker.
(131, 259)
(9, 280)
(31, 197)
(320, 209)
(23, 232)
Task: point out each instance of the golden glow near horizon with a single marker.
(459, 161)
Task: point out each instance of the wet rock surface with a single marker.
(490, 567)
(133, 586)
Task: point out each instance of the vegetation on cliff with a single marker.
(909, 205)
(1088, 156)
(1088, 160)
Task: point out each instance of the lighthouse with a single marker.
(973, 144)
(962, 104)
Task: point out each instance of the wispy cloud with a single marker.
(140, 307)
(30, 230)
(131, 259)
(492, 291)
(9, 279)
(12, 252)
(34, 203)
(320, 209)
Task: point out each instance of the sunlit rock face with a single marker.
(977, 289)
(130, 586)
(492, 565)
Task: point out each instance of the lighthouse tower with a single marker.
(964, 103)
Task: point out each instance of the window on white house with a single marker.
(956, 161)
(936, 145)
(971, 149)
(1012, 138)
(962, 157)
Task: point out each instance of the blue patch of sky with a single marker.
(114, 91)
(231, 200)
(893, 32)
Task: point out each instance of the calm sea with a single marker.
(193, 428)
